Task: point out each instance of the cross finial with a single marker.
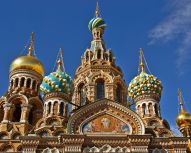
(97, 9)
(142, 66)
(31, 45)
(180, 100)
(60, 62)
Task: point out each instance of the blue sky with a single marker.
(161, 28)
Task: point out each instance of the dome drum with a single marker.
(57, 95)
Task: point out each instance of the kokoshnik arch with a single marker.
(35, 115)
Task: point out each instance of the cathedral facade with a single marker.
(90, 113)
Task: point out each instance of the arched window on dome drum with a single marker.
(17, 112)
(156, 110)
(150, 107)
(28, 82)
(99, 54)
(55, 108)
(82, 94)
(22, 82)
(61, 108)
(144, 109)
(16, 82)
(118, 93)
(100, 89)
(49, 108)
(11, 86)
(34, 84)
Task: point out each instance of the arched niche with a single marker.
(104, 111)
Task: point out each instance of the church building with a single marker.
(90, 113)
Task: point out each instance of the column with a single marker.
(52, 107)
(25, 112)
(58, 112)
(7, 109)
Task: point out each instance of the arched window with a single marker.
(28, 82)
(100, 89)
(156, 110)
(144, 109)
(17, 113)
(22, 82)
(82, 94)
(49, 107)
(11, 86)
(118, 93)
(99, 54)
(16, 82)
(150, 109)
(55, 108)
(34, 85)
(61, 108)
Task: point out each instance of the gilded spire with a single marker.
(60, 62)
(142, 66)
(97, 9)
(31, 45)
(180, 100)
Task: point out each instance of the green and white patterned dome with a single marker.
(145, 84)
(57, 81)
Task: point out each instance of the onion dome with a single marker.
(96, 22)
(57, 81)
(184, 118)
(28, 62)
(144, 84)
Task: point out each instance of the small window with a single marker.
(28, 82)
(144, 109)
(34, 85)
(100, 89)
(16, 82)
(22, 82)
(99, 54)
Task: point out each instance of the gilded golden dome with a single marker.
(28, 62)
(183, 119)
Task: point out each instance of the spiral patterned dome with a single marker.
(57, 81)
(96, 22)
(145, 84)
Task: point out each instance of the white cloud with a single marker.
(176, 26)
